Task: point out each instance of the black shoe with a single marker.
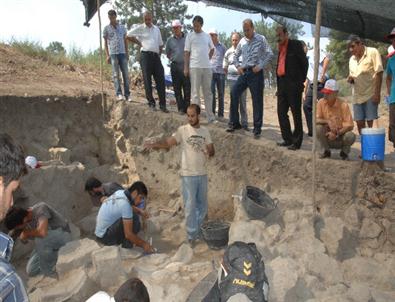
(233, 128)
(284, 144)
(245, 128)
(257, 135)
(163, 109)
(326, 154)
(310, 134)
(343, 155)
(293, 147)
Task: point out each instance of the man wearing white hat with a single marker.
(390, 83)
(334, 122)
(175, 52)
(218, 80)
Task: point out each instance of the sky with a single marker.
(45, 21)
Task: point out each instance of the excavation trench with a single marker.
(76, 139)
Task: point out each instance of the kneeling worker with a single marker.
(49, 230)
(334, 122)
(114, 222)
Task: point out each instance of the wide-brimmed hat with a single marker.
(330, 87)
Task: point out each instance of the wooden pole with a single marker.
(101, 60)
(315, 84)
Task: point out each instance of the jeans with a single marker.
(194, 192)
(45, 254)
(218, 81)
(343, 142)
(254, 81)
(201, 78)
(308, 105)
(120, 62)
(289, 95)
(181, 86)
(365, 111)
(242, 105)
(151, 66)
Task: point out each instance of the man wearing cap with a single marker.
(12, 168)
(334, 122)
(116, 46)
(218, 80)
(198, 51)
(292, 68)
(175, 52)
(232, 76)
(149, 38)
(365, 74)
(390, 83)
(255, 54)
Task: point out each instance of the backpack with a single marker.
(242, 271)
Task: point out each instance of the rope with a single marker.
(101, 61)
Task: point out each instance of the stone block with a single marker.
(331, 234)
(324, 268)
(369, 229)
(75, 254)
(184, 254)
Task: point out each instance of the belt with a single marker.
(151, 53)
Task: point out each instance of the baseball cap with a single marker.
(330, 87)
(213, 31)
(391, 34)
(32, 162)
(176, 23)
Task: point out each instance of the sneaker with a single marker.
(233, 128)
(326, 154)
(245, 128)
(129, 99)
(119, 97)
(212, 121)
(163, 109)
(343, 155)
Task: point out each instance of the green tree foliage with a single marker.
(56, 48)
(340, 55)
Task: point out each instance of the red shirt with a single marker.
(281, 58)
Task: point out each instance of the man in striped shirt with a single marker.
(256, 54)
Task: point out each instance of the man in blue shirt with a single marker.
(390, 81)
(12, 168)
(218, 79)
(256, 54)
(116, 46)
(114, 223)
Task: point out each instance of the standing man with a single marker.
(232, 76)
(390, 82)
(49, 230)
(256, 54)
(149, 38)
(12, 168)
(116, 46)
(199, 49)
(197, 147)
(292, 68)
(175, 52)
(322, 77)
(366, 75)
(218, 80)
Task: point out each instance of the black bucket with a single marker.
(257, 203)
(216, 234)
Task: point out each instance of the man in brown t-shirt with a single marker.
(334, 122)
(49, 230)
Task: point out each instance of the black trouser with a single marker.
(308, 105)
(255, 82)
(181, 86)
(289, 95)
(115, 234)
(151, 65)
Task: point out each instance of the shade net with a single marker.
(91, 9)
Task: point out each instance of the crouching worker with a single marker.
(334, 122)
(241, 276)
(114, 222)
(49, 230)
(98, 191)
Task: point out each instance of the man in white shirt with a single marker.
(148, 37)
(232, 75)
(197, 147)
(199, 48)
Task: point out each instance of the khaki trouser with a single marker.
(343, 142)
(201, 77)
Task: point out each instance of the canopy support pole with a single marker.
(101, 60)
(315, 85)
